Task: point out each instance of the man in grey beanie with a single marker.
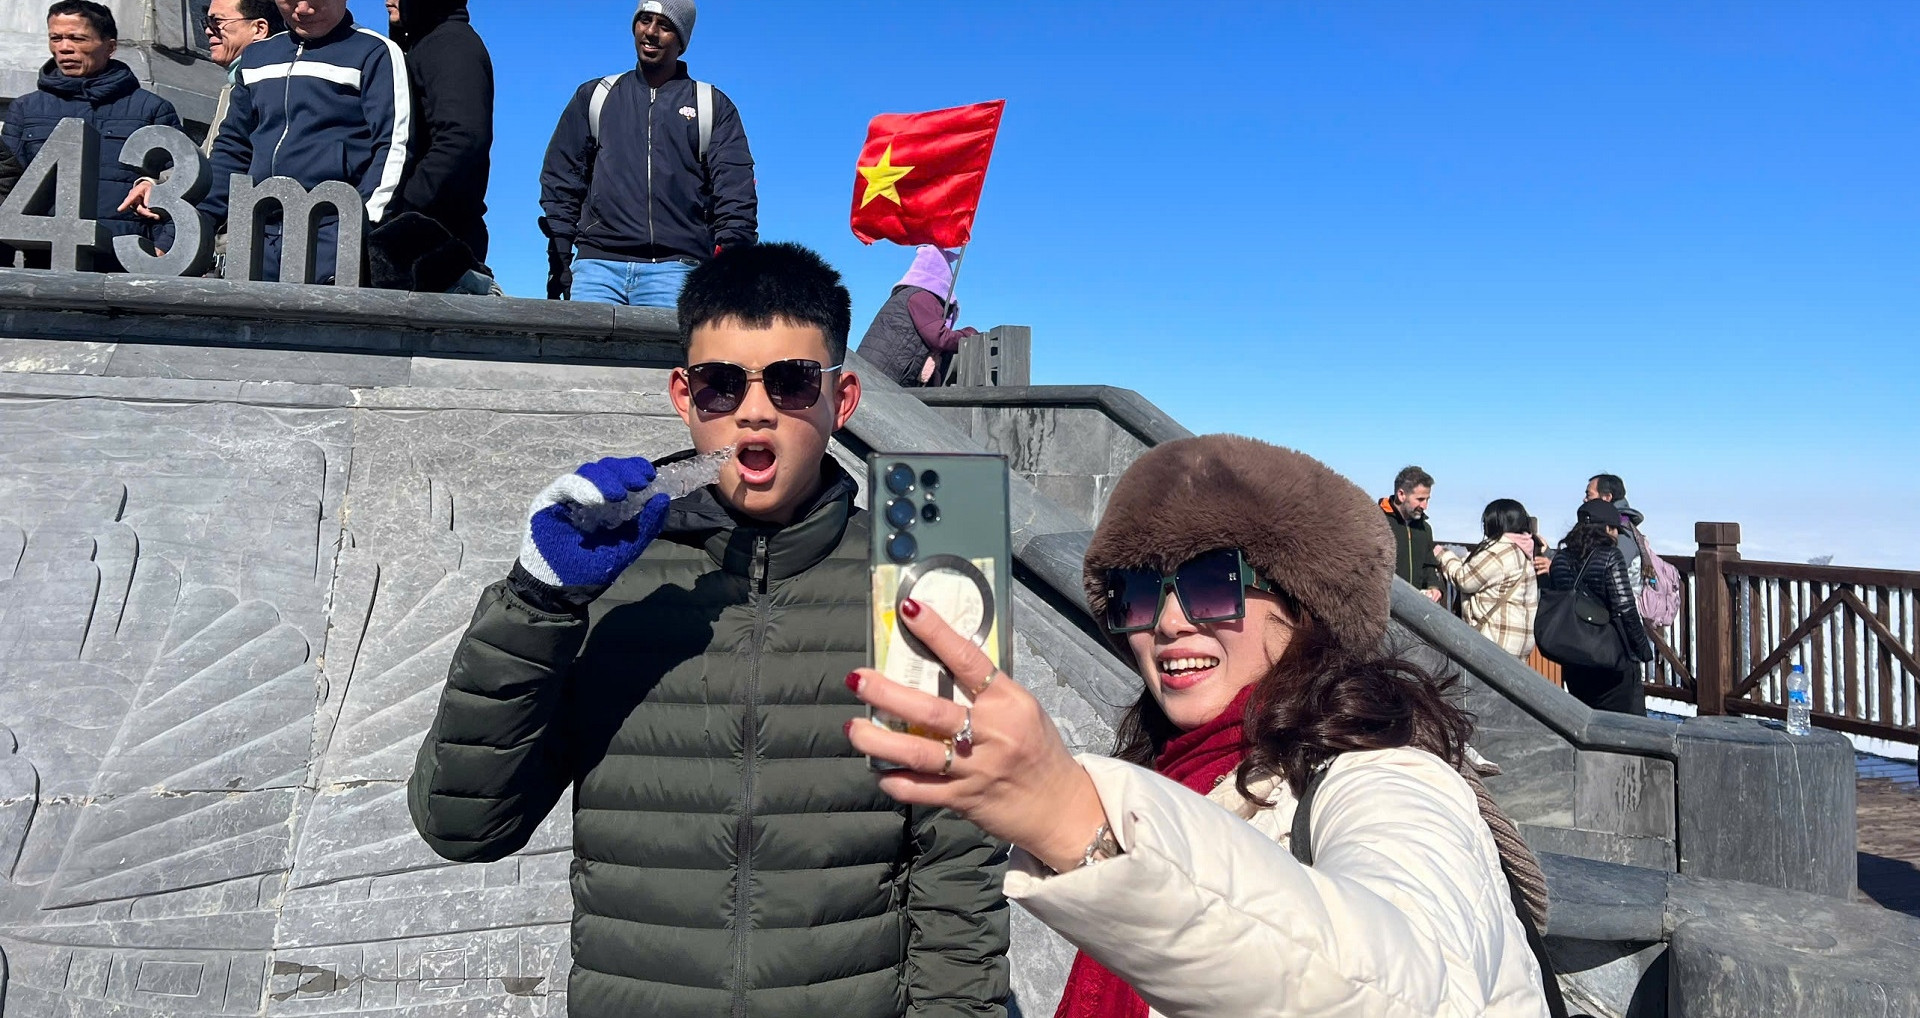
(648, 174)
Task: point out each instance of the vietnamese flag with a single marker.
(920, 174)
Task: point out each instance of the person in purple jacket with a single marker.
(912, 338)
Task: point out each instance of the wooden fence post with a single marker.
(1713, 613)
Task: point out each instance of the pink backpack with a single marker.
(1659, 596)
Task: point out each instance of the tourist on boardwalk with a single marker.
(912, 338)
(346, 115)
(648, 174)
(683, 675)
(231, 26)
(1497, 577)
(1610, 488)
(1590, 560)
(1249, 585)
(83, 80)
(436, 236)
(1406, 512)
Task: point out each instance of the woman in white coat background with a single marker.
(1250, 585)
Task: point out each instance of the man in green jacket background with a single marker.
(684, 673)
(1406, 511)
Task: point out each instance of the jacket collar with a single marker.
(115, 82)
(679, 72)
(344, 30)
(1387, 506)
(730, 538)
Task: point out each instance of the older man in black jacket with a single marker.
(83, 80)
(438, 238)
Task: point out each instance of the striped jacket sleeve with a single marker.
(387, 98)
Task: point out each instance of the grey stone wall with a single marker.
(1073, 455)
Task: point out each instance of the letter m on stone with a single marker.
(299, 238)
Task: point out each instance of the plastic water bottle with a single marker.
(1799, 703)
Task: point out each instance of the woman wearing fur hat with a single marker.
(1249, 584)
(1589, 559)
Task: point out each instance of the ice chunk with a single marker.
(682, 477)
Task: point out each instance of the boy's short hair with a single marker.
(757, 283)
(96, 15)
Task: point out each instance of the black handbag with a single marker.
(1574, 628)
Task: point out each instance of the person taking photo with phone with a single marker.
(682, 674)
(1291, 826)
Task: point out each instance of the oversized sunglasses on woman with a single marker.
(1211, 586)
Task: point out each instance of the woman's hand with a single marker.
(1015, 778)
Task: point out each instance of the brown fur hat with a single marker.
(1303, 526)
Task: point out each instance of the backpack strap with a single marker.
(599, 102)
(1301, 844)
(703, 109)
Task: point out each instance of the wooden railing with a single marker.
(1744, 625)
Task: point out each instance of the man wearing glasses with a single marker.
(327, 100)
(231, 26)
(684, 673)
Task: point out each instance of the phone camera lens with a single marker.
(899, 478)
(930, 513)
(929, 480)
(900, 513)
(901, 547)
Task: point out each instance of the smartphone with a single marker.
(940, 535)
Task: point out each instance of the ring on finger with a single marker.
(964, 737)
(984, 683)
(947, 768)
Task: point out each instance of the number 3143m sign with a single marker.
(48, 210)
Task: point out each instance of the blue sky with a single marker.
(1516, 243)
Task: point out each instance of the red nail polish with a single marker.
(847, 729)
(910, 608)
(853, 681)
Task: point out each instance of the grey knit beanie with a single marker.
(680, 12)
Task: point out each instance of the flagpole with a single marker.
(954, 281)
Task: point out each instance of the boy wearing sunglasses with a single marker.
(684, 673)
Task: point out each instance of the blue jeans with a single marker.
(642, 284)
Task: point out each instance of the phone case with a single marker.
(940, 535)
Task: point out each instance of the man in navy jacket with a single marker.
(83, 80)
(635, 197)
(326, 100)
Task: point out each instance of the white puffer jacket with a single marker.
(1404, 914)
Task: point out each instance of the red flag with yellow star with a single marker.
(920, 174)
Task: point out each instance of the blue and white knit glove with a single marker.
(560, 554)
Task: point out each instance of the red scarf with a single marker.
(1198, 760)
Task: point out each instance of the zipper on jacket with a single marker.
(749, 753)
(652, 93)
(286, 112)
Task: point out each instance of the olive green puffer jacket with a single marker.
(732, 857)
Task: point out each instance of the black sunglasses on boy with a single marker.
(717, 387)
(1212, 587)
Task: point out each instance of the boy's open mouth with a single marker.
(755, 461)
